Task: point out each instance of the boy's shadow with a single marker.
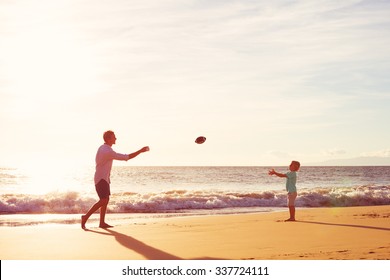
(141, 248)
(345, 225)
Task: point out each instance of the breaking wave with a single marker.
(182, 200)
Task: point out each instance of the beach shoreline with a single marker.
(351, 233)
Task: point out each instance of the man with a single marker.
(104, 158)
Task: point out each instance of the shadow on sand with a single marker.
(141, 248)
(344, 225)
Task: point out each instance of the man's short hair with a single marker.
(107, 135)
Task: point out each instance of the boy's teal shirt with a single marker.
(291, 181)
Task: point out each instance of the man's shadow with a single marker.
(135, 245)
(141, 248)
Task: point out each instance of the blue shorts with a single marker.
(103, 189)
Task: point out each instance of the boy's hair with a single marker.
(107, 135)
(297, 163)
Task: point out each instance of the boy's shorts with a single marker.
(103, 189)
(291, 198)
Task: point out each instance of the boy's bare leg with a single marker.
(292, 214)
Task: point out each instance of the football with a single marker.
(200, 140)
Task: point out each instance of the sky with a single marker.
(266, 82)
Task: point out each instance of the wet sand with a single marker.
(351, 233)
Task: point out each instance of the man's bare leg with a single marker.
(94, 208)
(103, 210)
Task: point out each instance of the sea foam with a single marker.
(182, 200)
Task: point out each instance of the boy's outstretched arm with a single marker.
(273, 172)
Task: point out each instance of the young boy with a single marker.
(290, 186)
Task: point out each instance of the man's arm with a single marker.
(133, 155)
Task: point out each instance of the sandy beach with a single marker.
(351, 233)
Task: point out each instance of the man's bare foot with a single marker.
(290, 220)
(83, 221)
(105, 226)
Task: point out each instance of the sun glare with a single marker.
(48, 61)
(53, 176)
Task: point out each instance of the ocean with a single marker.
(28, 198)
